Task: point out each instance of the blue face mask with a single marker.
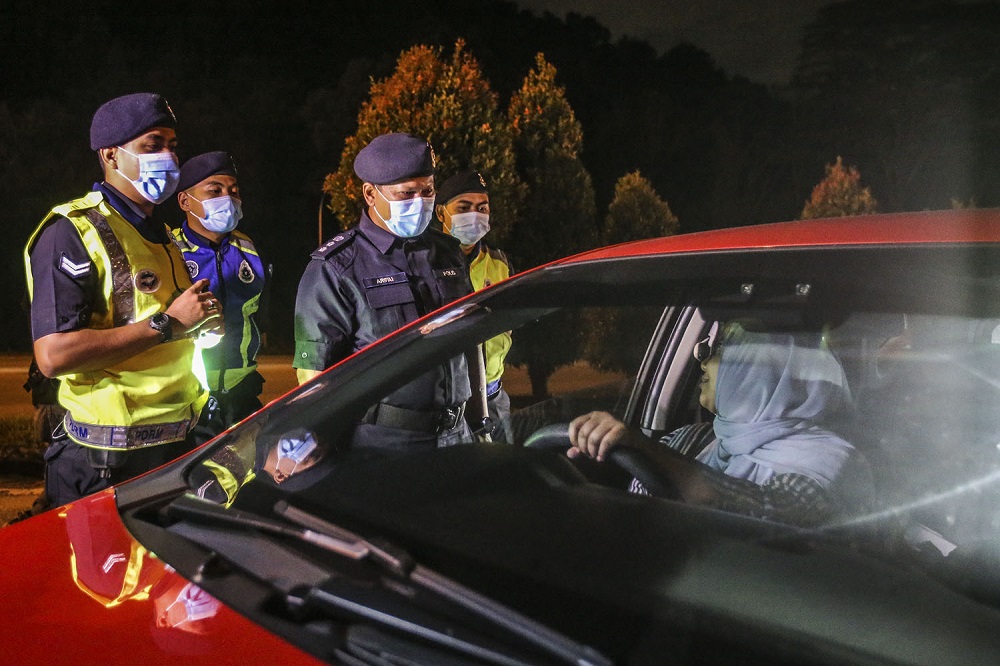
(296, 447)
(222, 214)
(407, 218)
(158, 175)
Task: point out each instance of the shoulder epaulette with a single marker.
(78, 206)
(335, 244)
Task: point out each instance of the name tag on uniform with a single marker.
(382, 280)
(447, 273)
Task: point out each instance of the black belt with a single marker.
(391, 416)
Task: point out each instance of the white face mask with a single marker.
(198, 605)
(469, 227)
(296, 446)
(407, 218)
(222, 214)
(158, 175)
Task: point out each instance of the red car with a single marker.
(805, 470)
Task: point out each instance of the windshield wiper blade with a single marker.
(399, 563)
(199, 510)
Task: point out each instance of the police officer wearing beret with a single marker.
(383, 273)
(113, 310)
(463, 207)
(214, 249)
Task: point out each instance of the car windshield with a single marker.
(867, 376)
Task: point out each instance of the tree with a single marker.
(559, 214)
(909, 89)
(450, 103)
(840, 193)
(615, 340)
(637, 211)
(560, 210)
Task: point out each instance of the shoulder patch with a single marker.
(332, 246)
(73, 269)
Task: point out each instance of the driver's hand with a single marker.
(595, 435)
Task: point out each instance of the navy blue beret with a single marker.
(390, 158)
(200, 167)
(462, 182)
(124, 118)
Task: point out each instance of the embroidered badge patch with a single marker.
(146, 281)
(73, 269)
(245, 273)
(193, 268)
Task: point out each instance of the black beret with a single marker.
(200, 167)
(124, 118)
(390, 158)
(462, 182)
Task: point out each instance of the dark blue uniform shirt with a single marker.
(364, 284)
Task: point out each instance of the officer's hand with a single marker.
(196, 309)
(595, 435)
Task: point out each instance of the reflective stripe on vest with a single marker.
(122, 294)
(125, 437)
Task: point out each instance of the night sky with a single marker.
(758, 39)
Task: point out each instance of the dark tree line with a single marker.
(906, 91)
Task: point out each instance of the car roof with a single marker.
(960, 226)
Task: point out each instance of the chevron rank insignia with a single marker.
(72, 269)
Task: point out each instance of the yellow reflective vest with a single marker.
(490, 266)
(153, 397)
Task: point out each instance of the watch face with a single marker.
(161, 322)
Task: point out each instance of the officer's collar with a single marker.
(473, 252)
(382, 239)
(197, 239)
(152, 231)
(121, 203)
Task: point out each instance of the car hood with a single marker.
(74, 582)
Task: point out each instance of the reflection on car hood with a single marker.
(74, 582)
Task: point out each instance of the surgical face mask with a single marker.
(222, 214)
(197, 604)
(469, 227)
(407, 218)
(296, 446)
(158, 175)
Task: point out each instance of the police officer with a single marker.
(463, 207)
(383, 273)
(113, 309)
(212, 247)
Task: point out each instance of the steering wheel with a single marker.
(633, 461)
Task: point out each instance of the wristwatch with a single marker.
(161, 323)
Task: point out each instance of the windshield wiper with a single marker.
(395, 561)
(399, 563)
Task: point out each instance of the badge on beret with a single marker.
(193, 268)
(434, 159)
(146, 281)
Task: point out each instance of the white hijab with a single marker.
(773, 392)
